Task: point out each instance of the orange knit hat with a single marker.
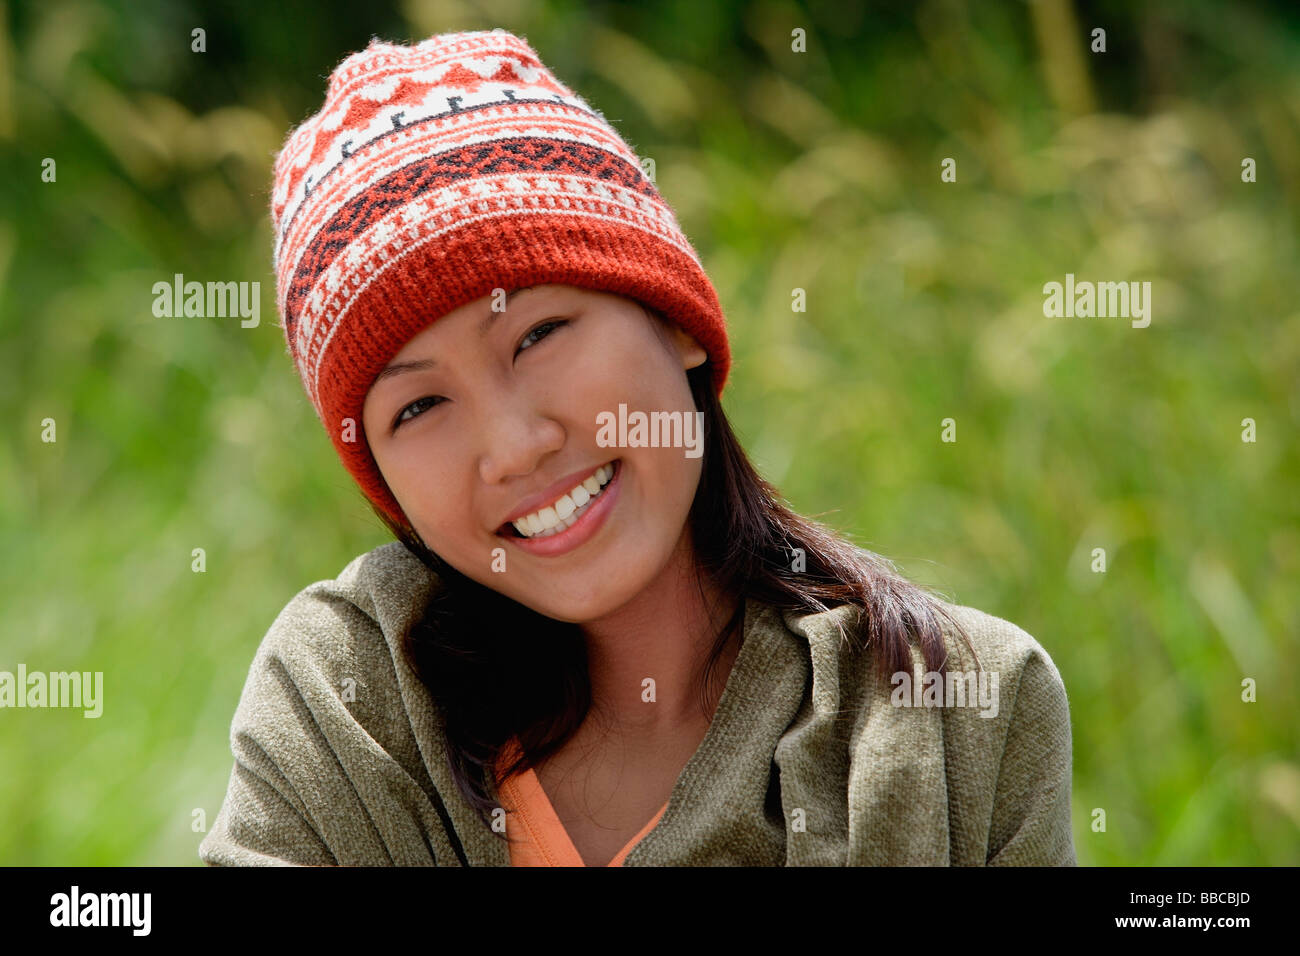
(436, 173)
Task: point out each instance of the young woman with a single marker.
(600, 638)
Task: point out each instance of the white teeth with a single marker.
(569, 508)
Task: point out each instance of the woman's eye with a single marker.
(541, 332)
(403, 417)
(415, 409)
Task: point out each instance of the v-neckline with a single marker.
(768, 683)
(549, 833)
(737, 683)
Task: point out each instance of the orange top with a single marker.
(539, 839)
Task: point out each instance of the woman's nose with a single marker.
(515, 441)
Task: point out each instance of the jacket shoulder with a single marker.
(995, 641)
(991, 740)
(377, 594)
(1026, 685)
(323, 720)
(1028, 740)
(337, 646)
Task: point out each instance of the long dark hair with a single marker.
(497, 668)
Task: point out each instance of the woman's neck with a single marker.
(664, 635)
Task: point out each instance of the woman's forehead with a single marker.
(481, 311)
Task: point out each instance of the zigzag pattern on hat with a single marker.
(518, 155)
(387, 87)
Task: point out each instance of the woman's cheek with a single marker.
(431, 489)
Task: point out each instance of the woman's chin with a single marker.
(582, 604)
(575, 611)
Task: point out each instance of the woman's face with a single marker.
(498, 416)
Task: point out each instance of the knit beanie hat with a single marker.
(436, 173)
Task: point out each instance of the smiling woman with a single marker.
(506, 431)
(576, 653)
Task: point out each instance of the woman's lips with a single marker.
(581, 530)
(549, 496)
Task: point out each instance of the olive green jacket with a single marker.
(340, 759)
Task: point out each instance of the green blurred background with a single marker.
(816, 170)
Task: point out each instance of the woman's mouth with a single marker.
(572, 519)
(565, 512)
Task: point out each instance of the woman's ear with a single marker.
(691, 352)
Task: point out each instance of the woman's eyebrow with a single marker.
(420, 365)
(397, 368)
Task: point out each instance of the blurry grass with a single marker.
(820, 173)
